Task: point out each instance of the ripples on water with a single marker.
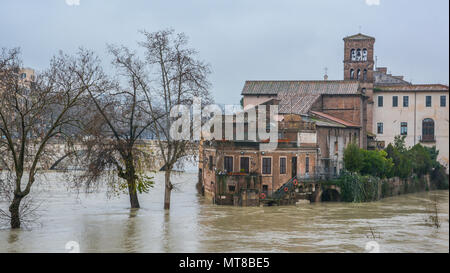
(98, 224)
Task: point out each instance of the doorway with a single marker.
(294, 166)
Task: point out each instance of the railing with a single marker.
(313, 177)
(281, 192)
(427, 139)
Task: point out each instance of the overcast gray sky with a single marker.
(243, 39)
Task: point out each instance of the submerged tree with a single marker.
(180, 77)
(33, 114)
(169, 76)
(114, 133)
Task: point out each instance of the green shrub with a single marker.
(353, 158)
(358, 188)
(365, 162)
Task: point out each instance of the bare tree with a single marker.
(34, 114)
(114, 133)
(178, 77)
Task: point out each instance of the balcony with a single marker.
(427, 139)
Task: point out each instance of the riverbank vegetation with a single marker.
(368, 174)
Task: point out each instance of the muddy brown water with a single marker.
(97, 224)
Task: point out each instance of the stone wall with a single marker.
(396, 186)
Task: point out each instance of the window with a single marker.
(352, 74)
(428, 101)
(365, 75)
(403, 128)
(358, 75)
(267, 165)
(265, 188)
(228, 164)
(23, 75)
(443, 101)
(245, 164)
(364, 54)
(353, 54)
(307, 165)
(380, 128)
(282, 165)
(358, 55)
(394, 101)
(231, 188)
(405, 101)
(210, 163)
(428, 129)
(380, 101)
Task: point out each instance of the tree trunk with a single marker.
(134, 202)
(14, 210)
(168, 189)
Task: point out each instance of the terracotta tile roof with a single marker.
(295, 103)
(297, 97)
(335, 119)
(305, 87)
(413, 87)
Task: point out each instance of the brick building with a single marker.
(328, 115)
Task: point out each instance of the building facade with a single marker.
(418, 112)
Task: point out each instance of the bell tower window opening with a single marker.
(358, 55)
(364, 54)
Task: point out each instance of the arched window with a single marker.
(352, 74)
(428, 129)
(353, 54)
(364, 54)
(358, 74)
(358, 55)
(365, 75)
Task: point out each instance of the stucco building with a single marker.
(418, 112)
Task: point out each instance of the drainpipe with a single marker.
(415, 103)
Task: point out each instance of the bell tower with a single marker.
(358, 58)
(358, 66)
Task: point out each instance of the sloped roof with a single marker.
(359, 36)
(303, 87)
(295, 103)
(414, 87)
(335, 119)
(381, 78)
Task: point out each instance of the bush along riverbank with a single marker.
(372, 175)
(365, 188)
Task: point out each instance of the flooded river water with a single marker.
(99, 224)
